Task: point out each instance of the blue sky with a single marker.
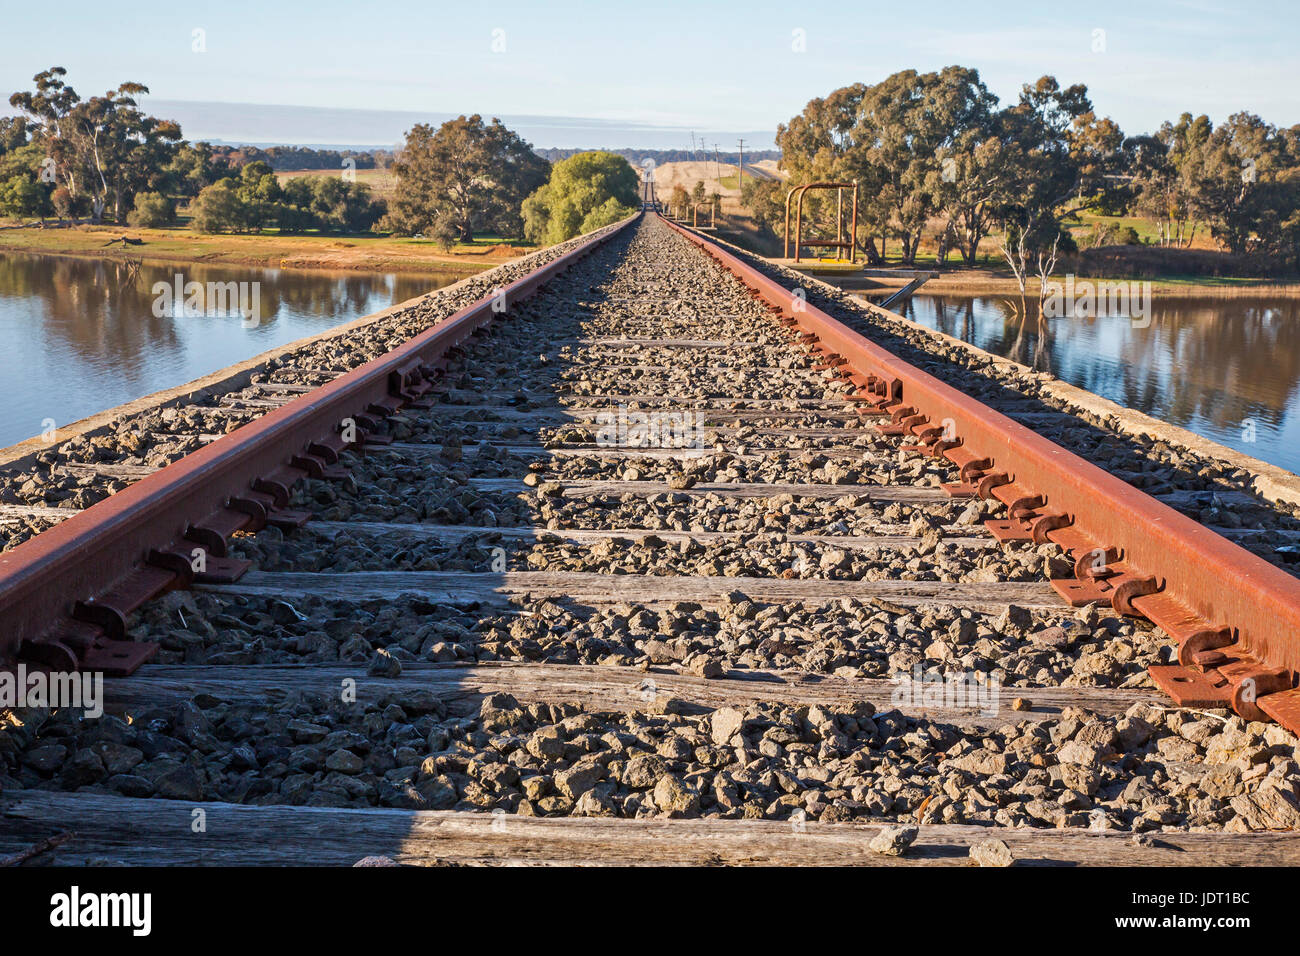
(717, 66)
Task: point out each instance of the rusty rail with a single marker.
(65, 594)
(1234, 616)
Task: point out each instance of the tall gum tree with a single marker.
(105, 149)
(467, 174)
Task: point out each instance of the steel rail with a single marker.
(65, 593)
(1235, 617)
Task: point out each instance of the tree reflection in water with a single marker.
(1208, 364)
(80, 334)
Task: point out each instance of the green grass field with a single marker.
(382, 182)
(1148, 230)
(179, 243)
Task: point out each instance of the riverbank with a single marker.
(180, 245)
(983, 281)
(388, 254)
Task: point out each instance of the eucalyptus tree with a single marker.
(905, 141)
(467, 173)
(1159, 184)
(104, 149)
(1243, 183)
(585, 191)
(1060, 158)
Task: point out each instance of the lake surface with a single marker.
(82, 335)
(78, 336)
(1225, 368)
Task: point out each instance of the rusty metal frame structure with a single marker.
(839, 241)
(65, 594)
(1234, 616)
(695, 215)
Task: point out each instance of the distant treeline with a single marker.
(282, 158)
(300, 157)
(637, 156)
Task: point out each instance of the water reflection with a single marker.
(81, 335)
(1224, 368)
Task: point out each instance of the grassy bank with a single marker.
(268, 250)
(367, 253)
(991, 281)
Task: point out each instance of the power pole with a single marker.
(740, 168)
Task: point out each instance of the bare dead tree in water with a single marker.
(1017, 255)
(1046, 266)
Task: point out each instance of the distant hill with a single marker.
(265, 125)
(307, 158)
(661, 156)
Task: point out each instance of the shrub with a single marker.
(151, 210)
(218, 209)
(445, 233)
(586, 191)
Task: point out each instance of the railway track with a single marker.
(639, 559)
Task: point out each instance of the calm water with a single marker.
(78, 336)
(1224, 368)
